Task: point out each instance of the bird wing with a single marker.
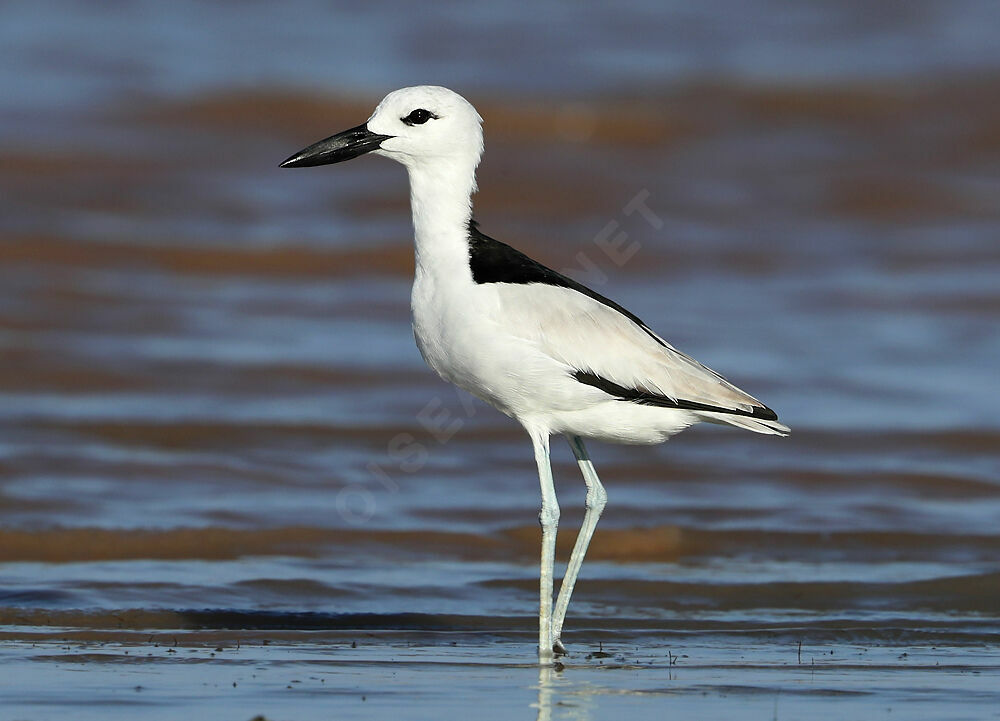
(605, 346)
(600, 343)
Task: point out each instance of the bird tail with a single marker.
(757, 425)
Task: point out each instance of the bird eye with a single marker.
(419, 117)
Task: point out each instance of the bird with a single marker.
(542, 348)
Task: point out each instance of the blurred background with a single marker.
(209, 391)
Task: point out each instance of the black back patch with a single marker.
(645, 398)
(494, 262)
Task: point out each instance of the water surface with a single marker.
(215, 430)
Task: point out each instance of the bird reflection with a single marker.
(575, 702)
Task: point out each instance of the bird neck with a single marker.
(441, 201)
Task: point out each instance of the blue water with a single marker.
(56, 54)
(210, 398)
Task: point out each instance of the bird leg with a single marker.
(548, 517)
(596, 500)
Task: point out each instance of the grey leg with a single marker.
(548, 517)
(596, 500)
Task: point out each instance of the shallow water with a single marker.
(374, 675)
(215, 429)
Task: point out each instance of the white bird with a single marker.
(538, 346)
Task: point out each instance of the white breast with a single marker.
(462, 333)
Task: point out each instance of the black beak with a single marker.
(337, 148)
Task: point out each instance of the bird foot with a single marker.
(558, 649)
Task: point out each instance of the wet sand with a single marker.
(229, 487)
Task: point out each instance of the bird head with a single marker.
(414, 126)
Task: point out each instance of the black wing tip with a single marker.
(764, 413)
(645, 398)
